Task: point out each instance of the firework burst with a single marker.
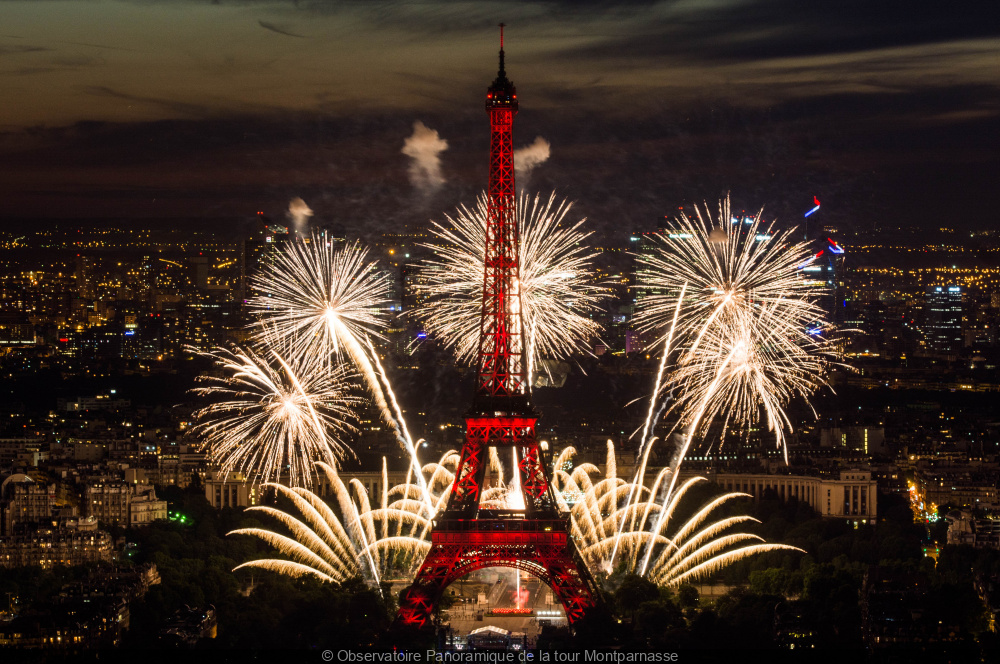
(733, 299)
(319, 299)
(750, 332)
(557, 289)
(274, 415)
(726, 267)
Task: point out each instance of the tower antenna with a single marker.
(501, 74)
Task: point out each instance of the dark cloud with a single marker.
(184, 108)
(870, 158)
(765, 29)
(888, 111)
(100, 46)
(7, 49)
(281, 31)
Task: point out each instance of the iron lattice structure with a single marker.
(466, 538)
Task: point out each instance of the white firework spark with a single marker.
(273, 415)
(726, 267)
(611, 527)
(558, 291)
(319, 299)
(750, 333)
(372, 537)
(361, 536)
(606, 522)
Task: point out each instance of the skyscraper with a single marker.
(259, 249)
(943, 319)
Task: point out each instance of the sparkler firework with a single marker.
(274, 415)
(557, 291)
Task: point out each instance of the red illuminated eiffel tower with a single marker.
(465, 537)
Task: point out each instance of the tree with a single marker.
(687, 596)
(633, 591)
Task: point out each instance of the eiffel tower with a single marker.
(466, 537)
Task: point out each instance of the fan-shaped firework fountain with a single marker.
(685, 551)
(356, 537)
(371, 538)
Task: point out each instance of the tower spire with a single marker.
(502, 88)
(501, 74)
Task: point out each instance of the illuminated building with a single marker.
(868, 440)
(122, 503)
(853, 495)
(960, 486)
(47, 546)
(16, 331)
(230, 490)
(259, 250)
(826, 268)
(22, 500)
(943, 319)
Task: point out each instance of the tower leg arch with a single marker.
(548, 555)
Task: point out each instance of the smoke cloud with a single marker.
(526, 158)
(423, 147)
(299, 213)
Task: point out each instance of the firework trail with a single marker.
(645, 442)
(323, 302)
(273, 414)
(746, 345)
(558, 293)
(399, 423)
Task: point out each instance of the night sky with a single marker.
(888, 111)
